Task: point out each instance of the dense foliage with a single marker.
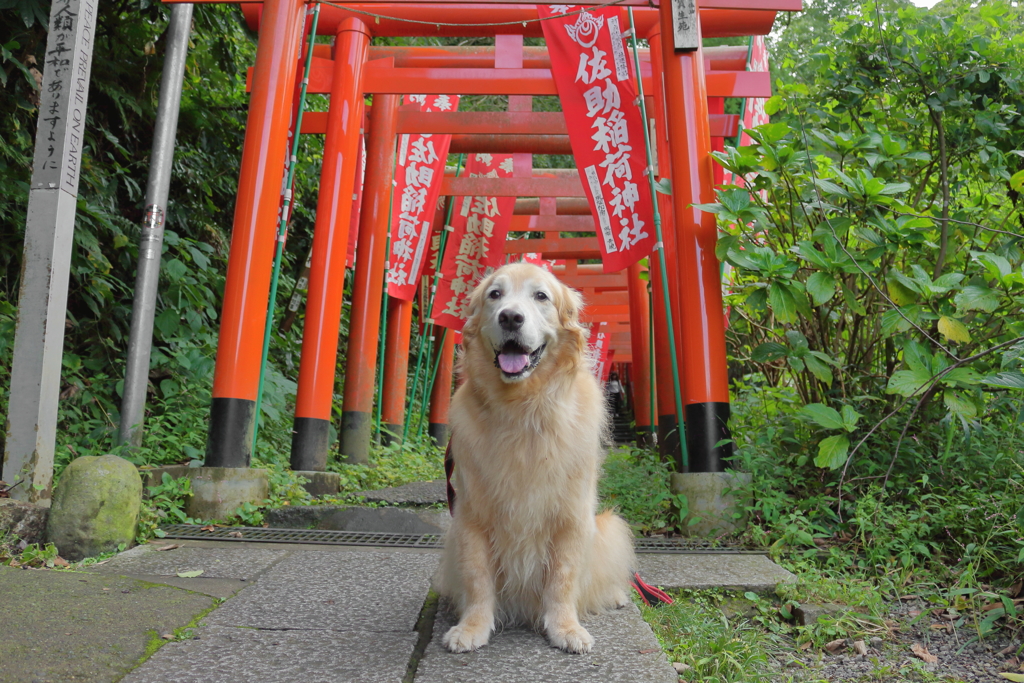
(122, 105)
(877, 292)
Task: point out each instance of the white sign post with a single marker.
(49, 234)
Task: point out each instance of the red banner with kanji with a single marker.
(600, 343)
(753, 107)
(595, 82)
(476, 243)
(418, 175)
(753, 115)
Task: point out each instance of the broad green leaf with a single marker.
(917, 356)
(895, 188)
(1012, 379)
(832, 451)
(725, 244)
(768, 352)
(954, 330)
(974, 298)
(908, 382)
(821, 287)
(828, 418)
(900, 293)
(831, 188)
(962, 376)
(782, 303)
(175, 269)
(850, 418)
(959, 404)
(1016, 678)
(819, 369)
(797, 342)
(850, 297)
(1017, 183)
(663, 186)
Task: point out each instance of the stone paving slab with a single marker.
(89, 628)
(216, 563)
(416, 493)
(343, 590)
(227, 655)
(215, 588)
(625, 651)
(754, 573)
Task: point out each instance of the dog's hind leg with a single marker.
(561, 588)
(476, 592)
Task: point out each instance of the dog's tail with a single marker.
(610, 565)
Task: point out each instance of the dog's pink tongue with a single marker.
(513, 363)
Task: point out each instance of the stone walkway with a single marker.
(315, 613)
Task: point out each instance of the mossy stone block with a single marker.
(95, 506)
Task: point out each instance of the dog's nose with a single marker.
(510, 320)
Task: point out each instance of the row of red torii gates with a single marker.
(686, 87)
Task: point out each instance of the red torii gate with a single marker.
(684, 131)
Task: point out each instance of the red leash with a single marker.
(449, 467)
(651, 595)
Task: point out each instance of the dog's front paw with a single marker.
(574, 639)
(465, 637)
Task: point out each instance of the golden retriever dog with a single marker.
(526, 544)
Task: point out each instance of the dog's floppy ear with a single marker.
(570, 303)
(476, 299)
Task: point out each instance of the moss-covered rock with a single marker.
(95, 506)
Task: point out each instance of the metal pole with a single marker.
(147, 278)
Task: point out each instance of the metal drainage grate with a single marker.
(315, 536)
(377, 539)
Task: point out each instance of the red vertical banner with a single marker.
(477, 242)
(539, 260)
(357, 203)
(418, 175)
(595, 84)
(600, 342)
(753, 107)
(753, 116)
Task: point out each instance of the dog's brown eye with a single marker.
(494, 294)
(541, 296)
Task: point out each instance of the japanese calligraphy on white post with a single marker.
(477, 243)
(418, 176)
(599, 99)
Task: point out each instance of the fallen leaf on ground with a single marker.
(208, 527)
(922, 652)
(61, 562)
(680, 667)
(806, 645)
(168, 636)
(235, 534)
(908, 597)
(647, 652)
(914, 613)
(860, 647)
(836, 645)
(938, 626)
(172, 546)
(1008, 649)
(191, 574)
